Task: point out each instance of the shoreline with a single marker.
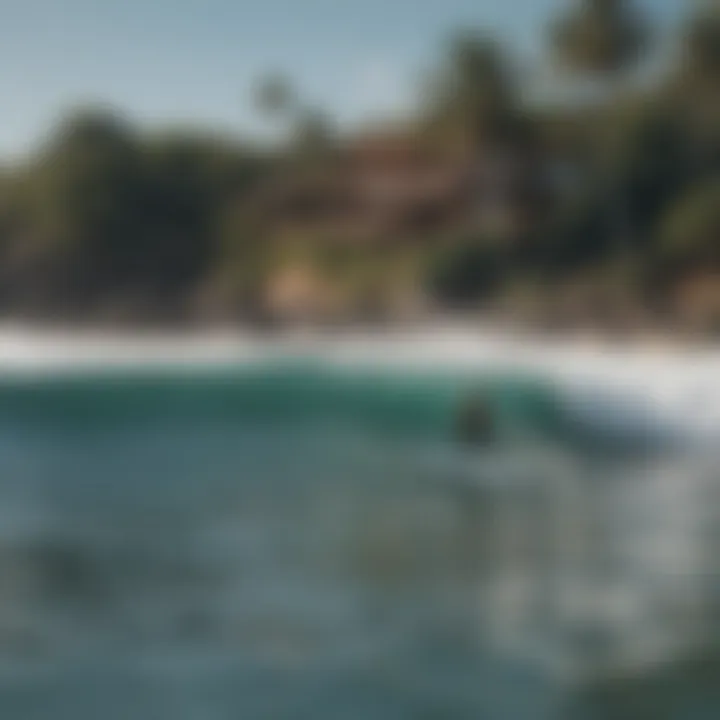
(447, 344)
(448, 341)
(641, 383)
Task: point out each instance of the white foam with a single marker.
(650, 382)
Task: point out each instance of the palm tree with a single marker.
(702, 44)
(313, 133)
(274, 96)
(307, 129)
(276, 101)
(700, 61)
(602, 40)
(472, 94)
(696, 86)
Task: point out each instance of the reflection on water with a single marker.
(189, 567)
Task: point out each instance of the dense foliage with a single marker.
(106, 221)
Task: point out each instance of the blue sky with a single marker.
(193, 61)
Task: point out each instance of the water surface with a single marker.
(292, 540)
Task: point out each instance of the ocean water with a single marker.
(293, 539)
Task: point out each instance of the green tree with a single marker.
(472, 94)
(599, 38)
(192, 183)
(701, 48)
(274, 96)
(309, 132)
(696, 90)
(466, 273)
(691, 228)
(313, 135)
(102, 215)
(83, 195)
(602, 40)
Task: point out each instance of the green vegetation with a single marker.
(479, 198)
(466, 273)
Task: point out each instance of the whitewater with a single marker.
(662, 383)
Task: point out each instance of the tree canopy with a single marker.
(105, 213)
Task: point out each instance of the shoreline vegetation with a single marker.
(598, 212)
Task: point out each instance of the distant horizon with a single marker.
(192, 64)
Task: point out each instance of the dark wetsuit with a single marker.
(474, 424)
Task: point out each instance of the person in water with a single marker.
(475, 422)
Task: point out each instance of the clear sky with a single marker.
(193, 61)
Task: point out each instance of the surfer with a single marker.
(475, 424)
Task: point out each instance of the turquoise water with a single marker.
(412, 405)
(291, 541)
